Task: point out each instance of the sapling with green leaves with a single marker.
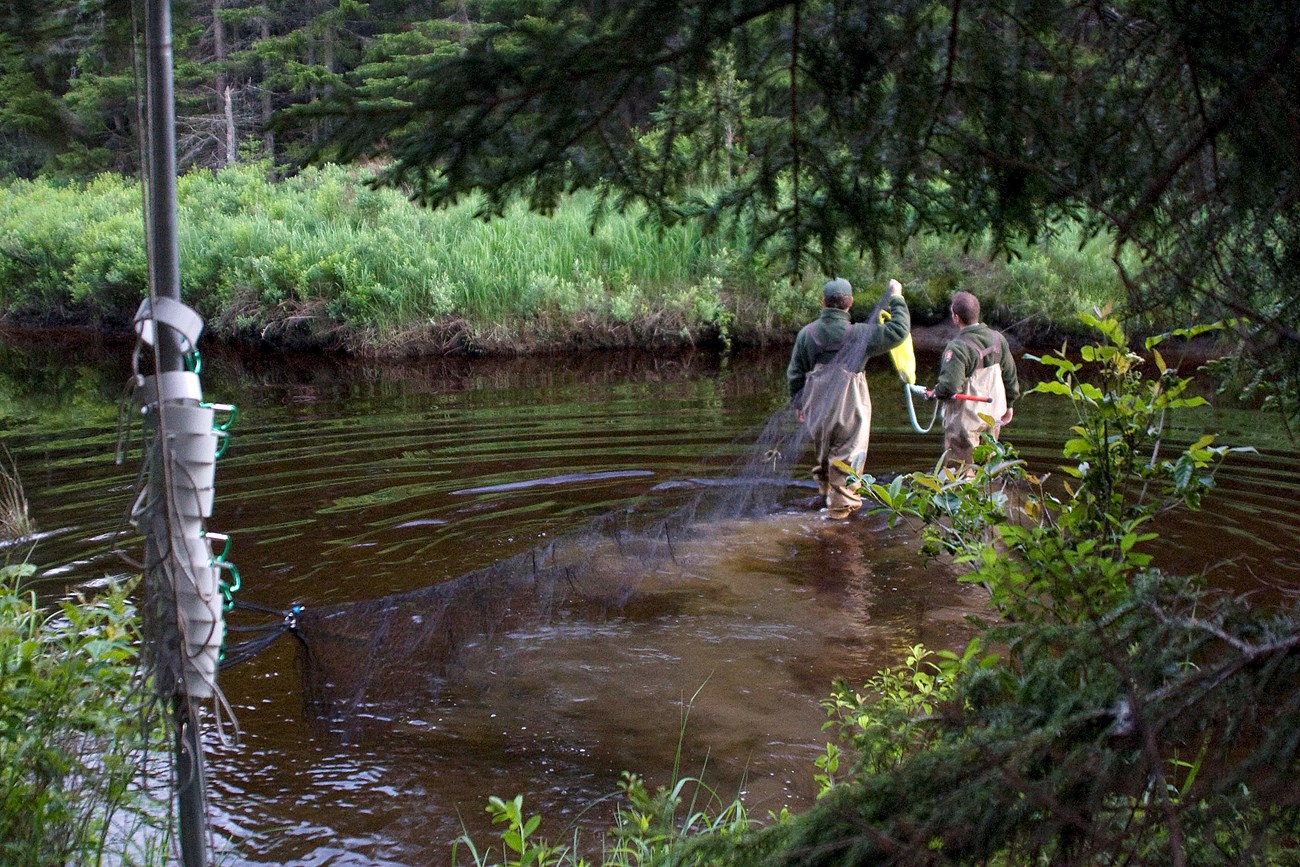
(1069, 548)
(76, 733)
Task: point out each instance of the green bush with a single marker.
(74, 734)
(325, 257)
(1038, 292)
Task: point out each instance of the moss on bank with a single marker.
(323, 262)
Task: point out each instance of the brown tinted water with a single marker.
(346, 483)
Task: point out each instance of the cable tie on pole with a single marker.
(218, 537)
(228, 588)
(223, 407)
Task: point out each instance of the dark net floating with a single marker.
(377, 658)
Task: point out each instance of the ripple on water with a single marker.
(344, 485)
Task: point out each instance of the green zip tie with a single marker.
(219, 537)
(228, 588)
(223, 407)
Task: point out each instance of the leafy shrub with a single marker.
(73, 732)
(324, 251)
(1039, 291)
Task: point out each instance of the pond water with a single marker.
(354, 489)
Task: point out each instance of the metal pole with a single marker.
(161, 113)
(165, 271)
(192, 815)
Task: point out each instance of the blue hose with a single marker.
(909, 391)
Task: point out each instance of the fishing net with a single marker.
(376, 658)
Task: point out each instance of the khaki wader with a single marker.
(962, 425)
(837, 406)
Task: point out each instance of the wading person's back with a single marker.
(829, 390)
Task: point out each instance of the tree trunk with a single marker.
(232, 146)
(268, 108)
(227, 153)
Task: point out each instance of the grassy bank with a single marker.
(321, 261)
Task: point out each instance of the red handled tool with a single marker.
(929, 395)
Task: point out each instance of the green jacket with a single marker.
(975, 347)
(821, 339)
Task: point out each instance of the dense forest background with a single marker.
(72, 82)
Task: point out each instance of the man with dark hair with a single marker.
(977, 361)
(829, 390)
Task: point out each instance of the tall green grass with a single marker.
(15, 519)
(321, 259)
(1037, 291)
(323, 245)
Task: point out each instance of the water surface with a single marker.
(347, 482)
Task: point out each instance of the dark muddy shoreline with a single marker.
(454, 339)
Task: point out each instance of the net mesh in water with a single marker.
(377, 657)
(381, 656)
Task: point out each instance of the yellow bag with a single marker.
(903, 355)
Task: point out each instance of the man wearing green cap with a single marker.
(829, 390)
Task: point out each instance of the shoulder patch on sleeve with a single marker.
(947, 355)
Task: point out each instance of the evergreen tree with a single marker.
(69, 85)
(67, 89)
(1170, 123)
(305, 54)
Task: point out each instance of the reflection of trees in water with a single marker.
(750, 372)
(40, 384)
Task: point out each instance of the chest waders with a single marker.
(965, 421)
(904, 358)
(837, 408)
